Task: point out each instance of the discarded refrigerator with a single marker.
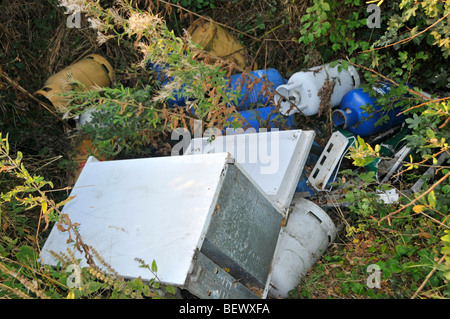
(201, 218)
(219, 222)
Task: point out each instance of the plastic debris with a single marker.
(306, 236)
(388, 197)
(159, 70)
(330, 159)
(392, 153)
(255, 87)
(266, 118)
(274, 160)
(428, 174)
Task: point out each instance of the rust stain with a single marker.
(216, 208)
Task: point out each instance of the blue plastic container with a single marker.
(353, 118)
(252, 90)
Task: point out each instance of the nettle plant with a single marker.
(131, 120)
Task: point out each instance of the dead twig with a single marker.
(422, 104)
(387, 79)
(24, 91)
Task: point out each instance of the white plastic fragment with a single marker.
(388, 197)
(330, 158)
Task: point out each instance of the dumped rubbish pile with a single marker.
(233, 217)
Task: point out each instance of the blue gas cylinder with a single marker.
(265, 117)
(252, 88)
(162, 78)
(353, 118)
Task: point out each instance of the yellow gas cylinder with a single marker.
(219, 43)
(93, 70)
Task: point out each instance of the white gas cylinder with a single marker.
(306, 236)
(301, 93)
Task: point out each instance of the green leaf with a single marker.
(154, 267)
(358, 289)
(430, 133)
(94, 286)
(171, 290)
(146, 291)
(394, 265)
(326, 25)
(432, 199)
(401, 250)
(325, 6)
(26, 255)
(447, 275)
(136, 284)
(446, 238)
(156, 284)
(335, 46)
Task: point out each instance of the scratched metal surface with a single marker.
(209, 281)
(240, 239)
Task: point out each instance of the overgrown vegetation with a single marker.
(406, 243)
